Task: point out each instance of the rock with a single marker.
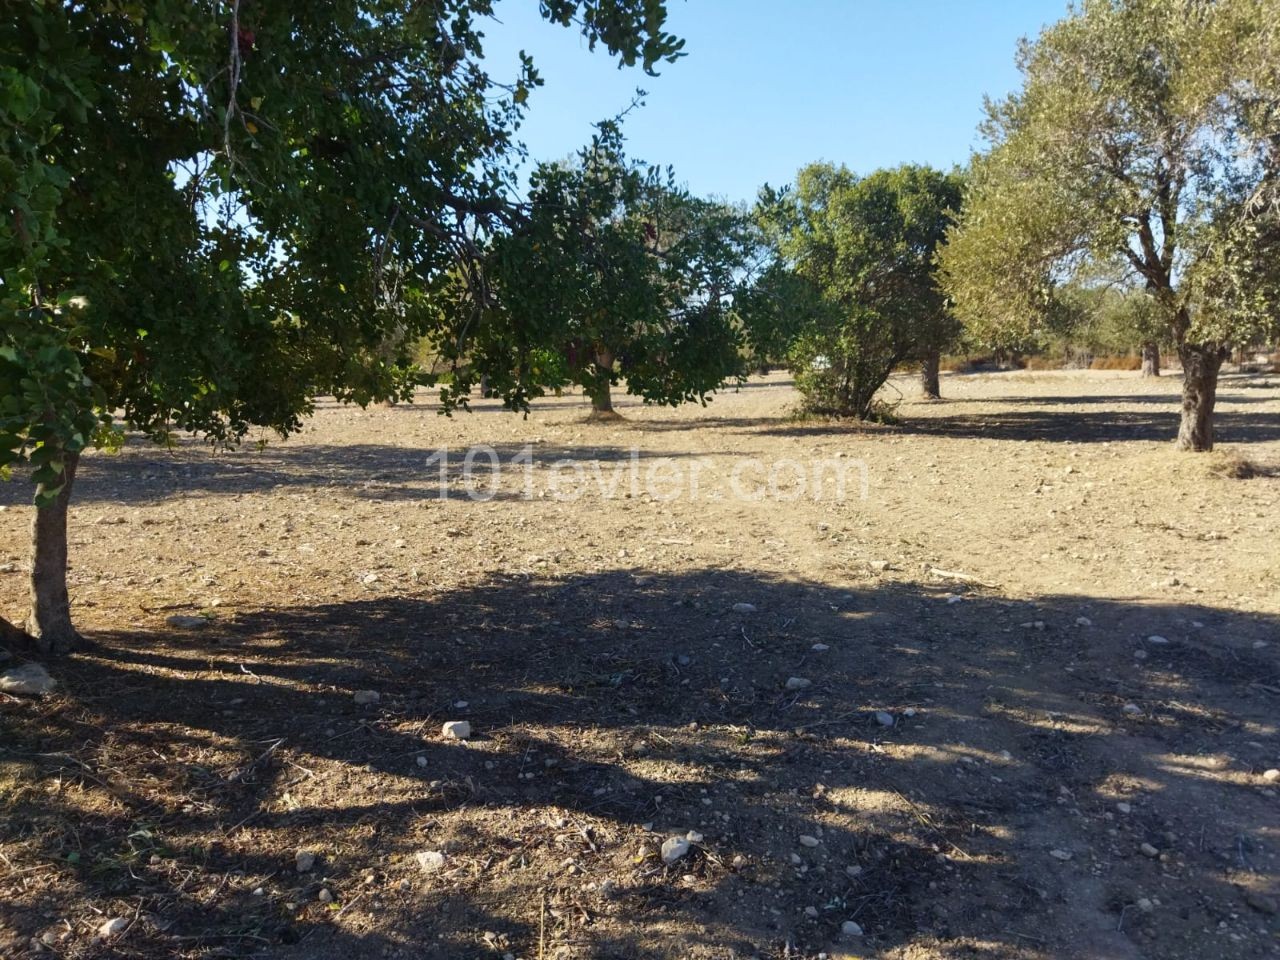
(808, 841)
(1159, 641)
(884, 718)
(1060, 854)
(1083, 622)
(1147, 850)
(304, 860)
(456, 730)
(1139, 654)
(673, 848)
(430, 861)
(1145, 905)
(1271, 776)
(30, 679)
(909, 712)
(854, 871)
(181, 621)
(850, 929)
(325, 895)
(1132, 709)
(879, 566)
(820, 648)
(693, 836)
(420, 760)
(1124, 807)
(744, 608)
(113, 927)
(811, 913)
(1262, 903)
(798, 683)
(366, 697)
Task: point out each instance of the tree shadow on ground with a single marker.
(172, 778)
(374, 471)
(1074, 426)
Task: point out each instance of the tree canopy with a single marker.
(1144, 141)
(211, 213)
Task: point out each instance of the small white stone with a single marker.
(798, 683)
(113, 927)
(1271, 776)
(420, 760)
(1083, 622)
(1139, 654)
(366, 697)
(181, 621)
(430, 861)
(1147, 850)
(456, 730)
(811, 913)
(850, 929)
(1145, 905)
(808, 841)
(1158, 640)
(1124, 807)
(854, 871)
(820, 648)
(744, 608)
(884, 718)
(1132, 709)
(30, 679)
(304, 860)
(324, 896)
(693, 836)
(1060, 854)
(673, 848)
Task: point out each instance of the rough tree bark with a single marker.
(1150, 359)
(929, 365)
(1200, 366)
(601, 393)
(50, 621)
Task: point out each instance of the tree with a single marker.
(1144, 136)
(612, 273)
(209, 213)
(868, 244)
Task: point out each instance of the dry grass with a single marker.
(1116, 363)
(1231, 466)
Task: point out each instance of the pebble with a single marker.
(811, 913)
(1083, 622)
(365, 697)
(693, 836)
(879, 566)
(673, 848)
(850, 929)
(854, 871)
(30, 679)
(1060, 854)
(421, 760)
(304, 860)
(884, 718)
(456, 730)
(820, 648)
(1147, 850)
(798, 683)
(1145, 905)
(1132, 709)
(324, 896)
(1124, 807)
(113, 927)
(1139, 654)
(181, 621)
(808, 841)
(744, 608)
(1271, 776)
(430, 861)
(1158, 640)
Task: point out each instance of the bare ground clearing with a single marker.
(618, 698)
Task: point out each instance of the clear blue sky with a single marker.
(770, 85)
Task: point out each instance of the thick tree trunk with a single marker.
(1150, 359)
(50, 620)
(929, 366)
(601, 392)
(1200, 365)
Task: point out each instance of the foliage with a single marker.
(1143, 140)
(612, 272)
(865, 248)
(214, 212)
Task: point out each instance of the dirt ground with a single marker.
(1063, 755)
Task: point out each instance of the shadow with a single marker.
(956, 766)
(148, 474)
(1072, 426)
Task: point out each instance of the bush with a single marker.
(1043, 363)
(839, 369)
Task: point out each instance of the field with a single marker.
(1014, 697)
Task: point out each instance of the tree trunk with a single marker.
(1200, 365)
(929, 366)
(601, 392)
(1150, 359)
(50, 620)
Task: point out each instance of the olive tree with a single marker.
(1146, 136)
(212, 212)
